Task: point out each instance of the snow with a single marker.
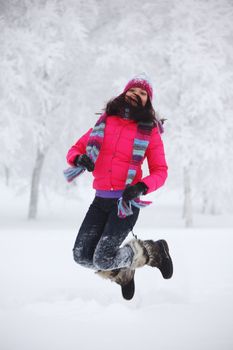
(48, 47)
(47, 301)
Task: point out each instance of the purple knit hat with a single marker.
(141, 81)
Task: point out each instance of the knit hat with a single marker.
(141, 81)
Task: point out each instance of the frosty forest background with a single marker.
(60, 63)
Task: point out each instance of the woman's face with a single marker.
(138, 92)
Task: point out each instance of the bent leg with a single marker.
(89, 235)
(108, 254)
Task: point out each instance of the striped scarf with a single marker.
(141, 142)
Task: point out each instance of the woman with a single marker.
(124, 136)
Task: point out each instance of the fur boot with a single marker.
(128, 288)
(155, 254)
(158, 256)
(140, 257)
(123, 277)
(120, 276)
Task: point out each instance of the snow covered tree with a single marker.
(14, 104)
(197, 89)
(61, 61)
(44, 63)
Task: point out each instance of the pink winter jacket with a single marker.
(112, 164)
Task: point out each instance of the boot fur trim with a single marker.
(124, 276)
(109, 274)
(140, 257)
(119, 276)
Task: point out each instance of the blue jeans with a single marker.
(101, 234)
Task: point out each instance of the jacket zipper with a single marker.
(112, 189)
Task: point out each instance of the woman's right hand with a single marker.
(84, 161)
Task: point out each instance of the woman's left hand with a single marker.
(134, 191)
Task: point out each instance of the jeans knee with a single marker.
(78, 256)
(101, 262)
(82, 257)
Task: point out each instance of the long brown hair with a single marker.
(120, 105)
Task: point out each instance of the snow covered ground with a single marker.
(49, 302)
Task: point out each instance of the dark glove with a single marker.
(85, 161)
(134, 191)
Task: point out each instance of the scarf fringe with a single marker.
(125, 209)
(72, 172)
